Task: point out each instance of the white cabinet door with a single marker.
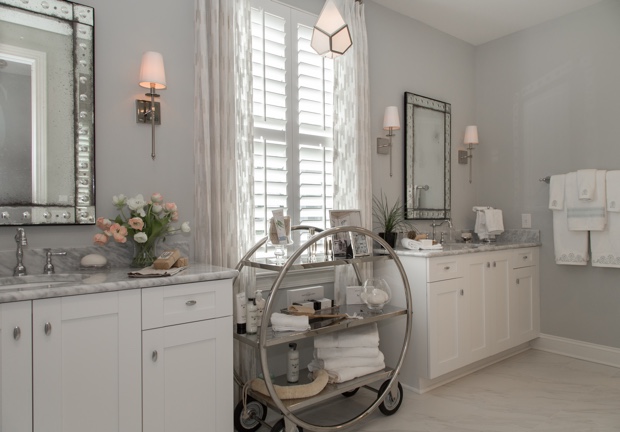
(87, 360)
(477, 296)
(448, 335)
(497, 285)
(187, 377)
(15, 367)
(525, 304)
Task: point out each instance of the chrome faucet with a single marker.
(434, 225)
(21, 240)
(49, 267)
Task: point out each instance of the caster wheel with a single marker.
(249, 423)
(280, 427)
(350, 393)
(390, 404)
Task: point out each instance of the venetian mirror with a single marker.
(47, 125)
(427, 158)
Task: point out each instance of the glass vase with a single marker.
(144, 254)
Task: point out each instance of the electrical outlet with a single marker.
(526, 220)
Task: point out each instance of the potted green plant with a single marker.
(389, 218)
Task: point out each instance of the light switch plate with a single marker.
(526, 220)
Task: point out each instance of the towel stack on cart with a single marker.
(349, 354)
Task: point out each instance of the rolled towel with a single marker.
(363, 336)
(349, 373)
(331, 353)
(283, 322)
(294, 391)
(339, 363)
(586, 184)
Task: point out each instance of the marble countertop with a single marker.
(462, 248)
(114, 279)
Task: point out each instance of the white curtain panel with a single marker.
(223, 144)
(352, 142)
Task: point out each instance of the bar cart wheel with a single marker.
(281, 427)
(390, 404)
(350, 393)
(250, 423)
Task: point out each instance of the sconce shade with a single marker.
(391, 119)
(471, 135)
(152, 71)
(330, 36)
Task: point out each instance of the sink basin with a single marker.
(20, 283)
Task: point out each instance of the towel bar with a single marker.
(545, 179)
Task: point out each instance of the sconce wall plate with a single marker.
(463, 157)
(142, 112)
(383, 146)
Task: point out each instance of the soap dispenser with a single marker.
(292, 372)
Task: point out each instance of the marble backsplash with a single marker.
(118, 256)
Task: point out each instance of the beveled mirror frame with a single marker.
(443, 109)
(82, 210)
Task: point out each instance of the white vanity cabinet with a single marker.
(187, 357)
(15, 367)
(86, 363)
(466, 308)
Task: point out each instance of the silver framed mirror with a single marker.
(427, 158)
(47, 119)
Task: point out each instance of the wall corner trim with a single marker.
(602, 354)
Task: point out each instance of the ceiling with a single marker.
(480, 21)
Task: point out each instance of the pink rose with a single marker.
(136, 223)
(119, 233)
(100, 239)
(170, 207)
(157, 198)
(103, 223)
(174, 217)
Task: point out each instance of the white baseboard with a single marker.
(580, 350)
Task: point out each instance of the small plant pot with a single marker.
(390, 238)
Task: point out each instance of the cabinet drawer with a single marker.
(443, 269)
(526, 257)
(177, 304)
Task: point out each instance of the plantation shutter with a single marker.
(293, 104)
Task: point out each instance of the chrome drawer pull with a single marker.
(190, 302)
(17, 333)
(488, 265)
(154, 356)
(524, 257)
(48, 328)
(446, 268)
(462, 292)
(517, 281)
(494, 264)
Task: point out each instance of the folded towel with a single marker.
(283, 322)
(556, 192)
(332, 353)
(605, 245)
(494, 221)
(613, 191)
(148, 272)
(586, 184)
(570, 247)
(481, 225)
(349, 373)
(416, 245)
(338, 363)
(363, 336)
(585, 215)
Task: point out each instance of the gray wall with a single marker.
(547, 102)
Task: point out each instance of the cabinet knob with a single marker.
(462, 292)
(446, 268)
(17, 333)
(47, 328)
(517, 281)
(190, 302)
(488, 265)
(524, 257)
(494, 264)
(154, 356)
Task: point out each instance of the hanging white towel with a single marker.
(613, 191)
(585, 215)
(586, 184)
(480, 227)
(570, 247)
(494, 221)
(556, 192)
(605, 245)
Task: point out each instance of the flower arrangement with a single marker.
(145, 223)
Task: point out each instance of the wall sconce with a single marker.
(330, 36)
(391, 122)
(471, 138)
(153, 77)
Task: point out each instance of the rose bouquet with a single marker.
(144, 223)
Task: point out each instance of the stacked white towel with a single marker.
(348, 354)
(283, 322)
(605, 245)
